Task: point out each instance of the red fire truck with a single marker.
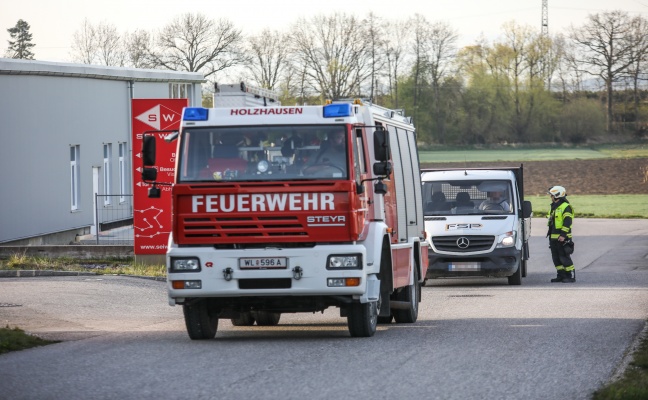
(285, 209)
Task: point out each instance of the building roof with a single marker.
(10, 66)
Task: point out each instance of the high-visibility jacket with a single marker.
(560, 220)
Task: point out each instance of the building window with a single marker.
(179, 90)
(74, 177)
(122, 172)
(107, 152)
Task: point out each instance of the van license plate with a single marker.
(464, 266)
(263, 262)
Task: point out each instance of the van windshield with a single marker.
(480, 197)
(265, 153)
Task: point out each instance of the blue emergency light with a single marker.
(337, 110)
(195, 114)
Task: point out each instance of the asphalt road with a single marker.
(475, 338)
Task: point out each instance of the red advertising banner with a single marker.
(152, 217)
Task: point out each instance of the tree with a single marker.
(20, 44)
(603, 47)
(333, 53)
(98, 45)
(398, 35)
(138, 47)
(268, 58)
(375, 32)
(194, 43)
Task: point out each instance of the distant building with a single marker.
(65, 135)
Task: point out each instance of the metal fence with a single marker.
(114, 219)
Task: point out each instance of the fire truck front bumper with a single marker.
(317, 271)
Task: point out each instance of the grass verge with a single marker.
(633, 385)
(14, 339)
(619, 206)
(101, 267)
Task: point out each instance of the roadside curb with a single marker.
(31, 273)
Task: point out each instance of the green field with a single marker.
(598, 206)
(531, 154)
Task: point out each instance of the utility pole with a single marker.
(545, 18)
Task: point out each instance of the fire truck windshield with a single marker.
(253, 153)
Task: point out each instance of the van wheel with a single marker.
(363, 318)
(265, 318)
(200, 323)
(410, 294)
(516, 278)
(244, 319)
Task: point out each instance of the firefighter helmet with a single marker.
(557, 192)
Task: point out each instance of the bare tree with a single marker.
(100, 44)
(604, 48)
(194, 43)
(421, 32)
(84, 44)
(139, 46)
(21, 44)
(639, 55)
(375, 32)
(333, 53)
(269, 57)
(397, 42)
(442, 48)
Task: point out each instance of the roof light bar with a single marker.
(337, 110)
(195, 114)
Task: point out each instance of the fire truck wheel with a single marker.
(200, 324)
(244, 319)
(409, 294)
(265, 318)
(363, 318)
(385, 320)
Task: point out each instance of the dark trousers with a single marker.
(558, 255)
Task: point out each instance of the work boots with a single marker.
(569, 277)
(560, 276)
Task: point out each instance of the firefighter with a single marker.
(560, 221)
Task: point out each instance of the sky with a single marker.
(53, 23)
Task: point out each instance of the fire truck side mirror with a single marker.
(382, 168)
(148, 150)
(381, 145)
(149, 174)
(380, 188)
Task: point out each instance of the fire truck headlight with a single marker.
(185, 265)
(347, 261)
(263, 166)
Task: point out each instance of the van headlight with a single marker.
(346, 261)
(190, 264)
(507, 239)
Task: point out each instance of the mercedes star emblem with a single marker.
(463, 242)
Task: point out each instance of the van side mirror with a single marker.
(526, 209)
(148, 150)
(381, 145)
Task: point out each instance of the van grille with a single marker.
(475, 243)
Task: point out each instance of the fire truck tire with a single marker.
(409, 294)
(200, 324)
(516, 278)
(362, 319)
(244, 319)
(266, 318)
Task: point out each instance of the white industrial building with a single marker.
(65, 135)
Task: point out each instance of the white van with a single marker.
(477, 222)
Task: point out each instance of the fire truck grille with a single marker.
(463, 244)
(222, 227)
